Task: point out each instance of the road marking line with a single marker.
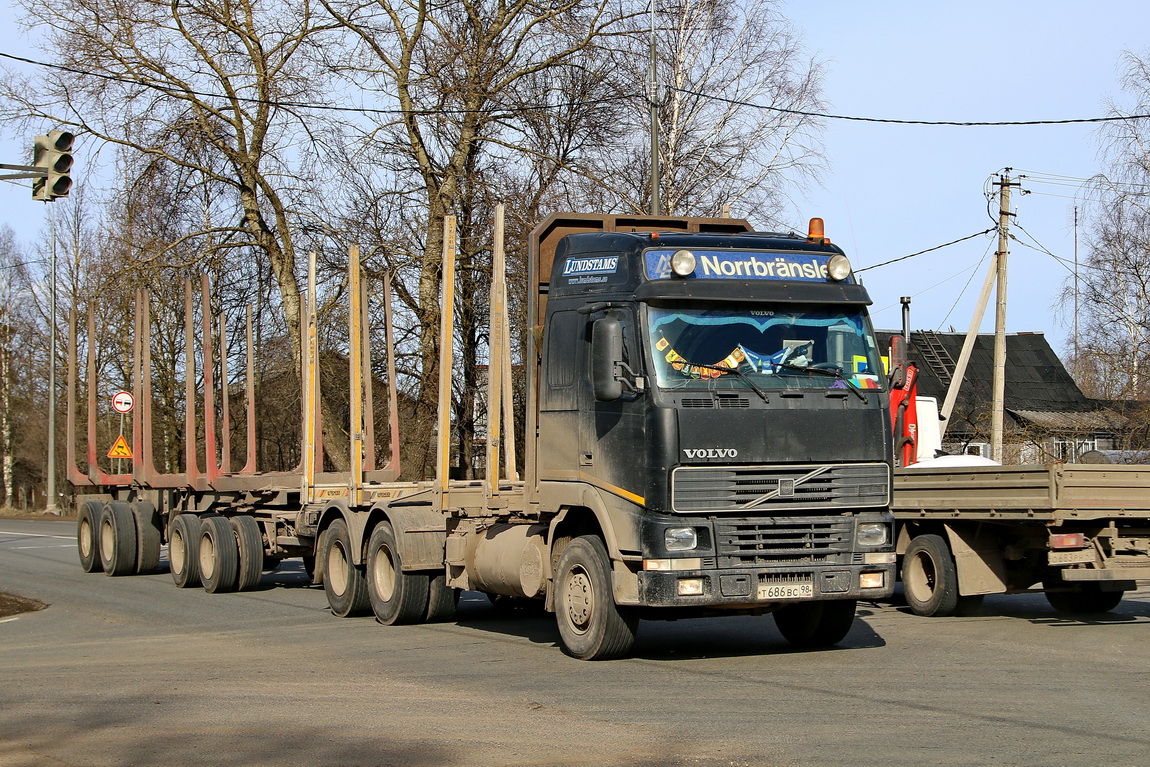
(9, 620)
(56, 546)
(38, 535)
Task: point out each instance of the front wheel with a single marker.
(397, 598)
(591, 625)
(930, 580)
(812, 625)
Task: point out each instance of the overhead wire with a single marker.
(169, 90)
(928, 250)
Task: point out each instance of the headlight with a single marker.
(838, 267)
(680, 538)
(682, 262)
(871, 534)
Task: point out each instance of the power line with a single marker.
(173, 91)
(892, 121)
(928, 250)
(563, 105)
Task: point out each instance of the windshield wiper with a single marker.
(737, 372)
(832, 372)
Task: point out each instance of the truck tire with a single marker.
(147, 537)
(397, 598)
(1088, 598)
(219, 556)
(117, 539)
(184, 550)
(251, 552)
(343, 582)
(441, 599)
(930, 580)
(88, 536)
(591, 625)
(811, 625)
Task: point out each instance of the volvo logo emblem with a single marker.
(786, 488)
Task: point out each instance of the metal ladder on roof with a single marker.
(933, 353)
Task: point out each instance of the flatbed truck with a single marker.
(706, 434)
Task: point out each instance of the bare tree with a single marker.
(1114, 287)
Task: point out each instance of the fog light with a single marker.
(690, 587)
(871, 534)
(682, 262)
(872, 580)
(680, 538)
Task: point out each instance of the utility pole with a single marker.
(999, 382)
(653, 103)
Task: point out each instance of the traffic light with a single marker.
(54, 153)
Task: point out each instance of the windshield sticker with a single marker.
(744, 265)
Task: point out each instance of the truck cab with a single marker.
(720, 400)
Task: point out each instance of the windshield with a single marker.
(810, 347)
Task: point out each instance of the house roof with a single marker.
(1037, 385)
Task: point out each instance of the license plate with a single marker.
(775, 591)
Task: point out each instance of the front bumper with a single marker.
(762, 587)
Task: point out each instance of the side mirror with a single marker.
(606, 355)
(898, 361)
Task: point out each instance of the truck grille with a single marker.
(752, 544)
(765, 489)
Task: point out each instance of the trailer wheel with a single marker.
(251, 552)
(397, 598)
(184, 550)
(591, 625)
(88, 536)
(147, 537)
(811, 625)
(1088, 598)
(219, 556)
(343, 582)
(117, 539)
(930, 580)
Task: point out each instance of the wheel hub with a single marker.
(579, 600)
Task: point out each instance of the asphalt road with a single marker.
(133, 671)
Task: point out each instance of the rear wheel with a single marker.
(1087, 598)
(591, 625)
(397, 598)
(930, 580)
(343, 582)
(184, 550)
(251, 552)
(117, 539)
(441, 599)
(812, 625)
(147, 536)
(219, 556)
(88, 536)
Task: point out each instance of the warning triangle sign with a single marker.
(120, 448)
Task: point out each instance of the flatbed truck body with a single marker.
(706, 434)
(1078, 532)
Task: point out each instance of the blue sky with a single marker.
(893, 190)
